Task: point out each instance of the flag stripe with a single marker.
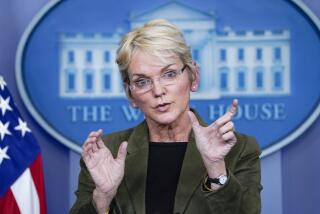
(25, 194)
(8, 204)
(37, 175)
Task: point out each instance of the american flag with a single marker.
(21, 176)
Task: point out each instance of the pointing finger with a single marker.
(228, 116)
(233, 108)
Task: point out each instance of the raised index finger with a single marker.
(228, 116)
(233, 109)
(96, 134)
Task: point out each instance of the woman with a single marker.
(172, 162)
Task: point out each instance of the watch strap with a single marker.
(212, 180)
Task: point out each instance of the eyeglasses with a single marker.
(142, 85)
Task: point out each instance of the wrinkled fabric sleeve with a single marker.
(241, 193)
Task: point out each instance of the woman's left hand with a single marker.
(216, 140)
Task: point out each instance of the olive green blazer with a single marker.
(241, 193)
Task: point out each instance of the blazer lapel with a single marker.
(135, 175)
(136, 166)
(192, 173)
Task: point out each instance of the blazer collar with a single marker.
(135, 173)
(192, 171)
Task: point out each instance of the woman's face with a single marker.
(162, 104)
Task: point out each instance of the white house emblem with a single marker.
(254, 55)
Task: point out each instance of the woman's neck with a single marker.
(178, 131)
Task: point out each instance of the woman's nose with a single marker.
(158, 89)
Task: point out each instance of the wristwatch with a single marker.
(221, 180)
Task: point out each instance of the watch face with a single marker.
(223, 179)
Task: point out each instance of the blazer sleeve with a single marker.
(241, 193)
(84, 192)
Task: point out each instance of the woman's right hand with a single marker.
(107, 172)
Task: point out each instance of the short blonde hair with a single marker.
(157, 37)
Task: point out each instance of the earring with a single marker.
(194, 88)
(134, 105)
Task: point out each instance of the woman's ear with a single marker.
(195, 77)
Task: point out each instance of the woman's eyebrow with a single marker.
(161, 70)
(167, 66)
(138, 74)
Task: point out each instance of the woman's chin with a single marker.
(165, 119)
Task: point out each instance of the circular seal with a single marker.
(263, 54)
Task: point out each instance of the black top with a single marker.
(164, 166)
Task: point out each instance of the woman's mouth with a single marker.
(163, 107)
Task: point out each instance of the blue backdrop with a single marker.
(290, 176)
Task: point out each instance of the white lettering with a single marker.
(90, 113)
(266, 111)
(105, 114)
(251, 111)
(131, 114)
(279, 111)
(74, 112)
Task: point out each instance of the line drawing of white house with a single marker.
(233, 62)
